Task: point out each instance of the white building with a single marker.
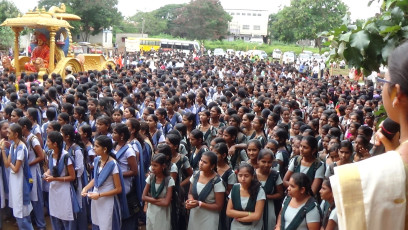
(104, 38)
(247, 24)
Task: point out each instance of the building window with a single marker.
(253, 14)
(245, 27)
(238, 13)
(78, 37)
(256, 27)
(243, 14)
(259, 14)
(232, 13)
(106, 37)
(123, 39)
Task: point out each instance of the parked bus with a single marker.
(179, 45)
(149, 44)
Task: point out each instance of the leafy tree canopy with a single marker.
(367, 46)
(8, 10)
(95, 14)
(305, 19)
(201, 19)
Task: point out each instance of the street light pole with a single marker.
(143, 23)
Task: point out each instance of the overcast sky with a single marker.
(130, 7)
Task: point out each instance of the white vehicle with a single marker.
(239, 53)
(317, 57)
(230, 51)
(276, 54)
(256, 40)
(178, 45)
(219, 52)
(289, 57)
(304, 57)
(260, 53)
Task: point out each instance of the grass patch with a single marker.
(241, 45)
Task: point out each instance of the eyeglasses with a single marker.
(384, 81)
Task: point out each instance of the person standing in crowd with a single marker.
(299, 210)
(272, 185)
(63, 203)
(206, 196)
(158, 193)
(35, 156)
(20, 180)
(246, 200)
(107, 205)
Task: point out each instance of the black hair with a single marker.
(162, 159)
(303, 181)
(81, 111)
(55, 125)
(24, 121)
(256, 142)
(56, 137)
(64, 116)
(166, 150)
(265, 152)
(213, 159)
(105, 142)
(69, 130)
(87, 129)
(122, 129)
(397, 63)
(174, 139)
(222, 149)
(312, 142)
(346, 144)
(16, 128)
(197, 134)
(255, 184)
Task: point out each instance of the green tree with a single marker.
(8, 10)
(201, 19)
(305, 19)
(368, 46)
(96, 15)
(149, 23)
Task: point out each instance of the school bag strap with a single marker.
(30, 140)
(297, 220)
(207, 188)
(236, 201)
(312, 169)
(269, 186)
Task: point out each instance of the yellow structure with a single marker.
(55, 23)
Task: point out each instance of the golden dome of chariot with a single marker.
(55, 17)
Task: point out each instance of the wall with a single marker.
(103, 38)
(120, 40)
(248, 23)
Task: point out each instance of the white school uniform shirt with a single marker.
(16, 189)
(60, 204)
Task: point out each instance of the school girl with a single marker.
(272, 185)
(35, 156)
(63, 202)
(206, 196)
(107, 195)
(19, 178)
(158, 194)
(299, 210)
(247, 200)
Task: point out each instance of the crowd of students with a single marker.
(220, 143)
